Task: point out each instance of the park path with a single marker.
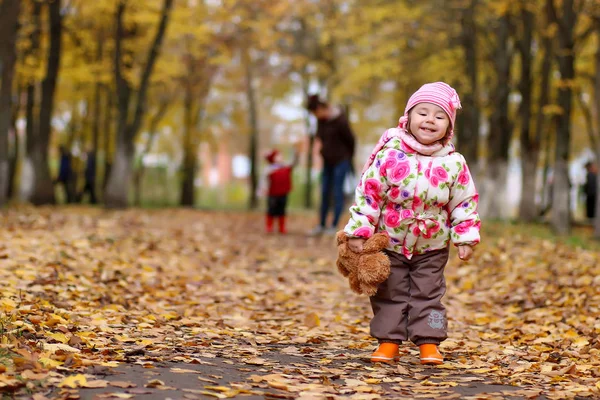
(197, 304)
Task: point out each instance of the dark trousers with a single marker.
(276, 206)
(333, 183)
(590, 206)
(69, 188)
(408, 306)
(90, 187)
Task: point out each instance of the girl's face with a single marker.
(428, 123)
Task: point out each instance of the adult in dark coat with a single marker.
(90, 177)
(590, 189)
(337, 150)
(65, 174)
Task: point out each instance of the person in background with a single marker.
(65, 174)
(90, 177)
(590, 189)
(337, 143)
(277, 184)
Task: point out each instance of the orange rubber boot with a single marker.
(386, 353)
(430, 354)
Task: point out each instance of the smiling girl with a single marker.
(416, 188)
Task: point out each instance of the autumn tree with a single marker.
(131, 101)
(39, 141)
(566, 18)
(533, 130)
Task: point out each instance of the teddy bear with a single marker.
(367, 269)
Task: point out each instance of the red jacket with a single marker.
(280, 180)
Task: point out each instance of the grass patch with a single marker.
(6, 357)
(581, 236)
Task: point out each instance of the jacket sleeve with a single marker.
(369, 196)
(464, 219)
(348, 136)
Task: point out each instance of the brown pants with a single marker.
(408, 304)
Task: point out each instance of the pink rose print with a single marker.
(363, 231)
(407, 214)
(463, 227)
(436, 175)
(388, 164)
(416, 231)
(395, 192)
(433, 230)
(406, 252)
(392, 219)
(476, 199)
(400, 172)
(417, 202)
(372, 202)
(372, 188)
(463, 177)
(440, 173)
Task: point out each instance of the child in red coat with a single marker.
(278, 182)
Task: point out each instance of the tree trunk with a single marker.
(27, 173)
(597, 109)
(529, 147)
(546, 176)
(189, 149)
(253, 117)
(117, 189)
(108, 129)
(596, 217)
(138, 176)
(469, 137)
(9, 18)
(500, 130)
(27, 170)
(43, 189)
(561, 221)
(187, 181)
(120, 177)
(16, 145)
(308, 187)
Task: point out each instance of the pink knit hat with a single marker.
(438, 93)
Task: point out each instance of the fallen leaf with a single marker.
(122, 384)
(95, 384)
(73, 381)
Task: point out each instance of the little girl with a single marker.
(277, 184)
(417, 189)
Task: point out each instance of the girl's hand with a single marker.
(465, 252)
(356, 244)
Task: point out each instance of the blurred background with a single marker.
(161, 103)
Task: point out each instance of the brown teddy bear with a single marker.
(367, 269)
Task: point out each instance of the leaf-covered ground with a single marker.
(208, 296)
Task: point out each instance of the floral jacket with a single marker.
(422, 202)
